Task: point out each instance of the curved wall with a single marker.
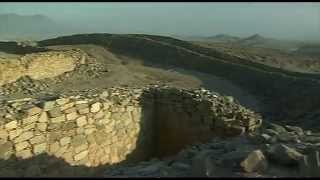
(118, 124)
(39, 65)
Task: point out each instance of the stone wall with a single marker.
(118, 124)
(39, 65)
(184, 117)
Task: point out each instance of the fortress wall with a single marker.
(118, 124)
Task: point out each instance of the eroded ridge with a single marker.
(93, 128)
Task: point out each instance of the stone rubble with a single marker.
(30, 83)
(241, 156)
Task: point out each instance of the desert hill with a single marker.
(273, 87)
(138, 105)
(223, 38)
(253, 41)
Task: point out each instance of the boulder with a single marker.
(286, 137)
(283, 154)
(271, 132)
(277, 128)
(265, 137)
(6, 150)
(233, 158)
(295, 129)
(255, 162)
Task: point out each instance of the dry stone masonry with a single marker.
(197, 116)
(36, 72)
(39, 65)
(117, 124)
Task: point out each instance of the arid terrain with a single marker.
(282, 59)
(268, 100)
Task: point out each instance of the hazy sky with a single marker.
(279, 20)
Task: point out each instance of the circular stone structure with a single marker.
(118, 124)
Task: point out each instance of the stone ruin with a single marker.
(118, 124)
(39, 65)
(32, 73)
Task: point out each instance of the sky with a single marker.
(278, 20)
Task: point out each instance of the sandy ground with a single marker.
(134, 73)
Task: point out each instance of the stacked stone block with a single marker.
(91, 129)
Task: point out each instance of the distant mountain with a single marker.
(28, 27)
(223, 38)
(257, 40)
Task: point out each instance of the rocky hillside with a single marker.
(274, 151)
(277, 88)
(289, 61)
(87, 109)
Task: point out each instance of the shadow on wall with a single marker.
(159, 136)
